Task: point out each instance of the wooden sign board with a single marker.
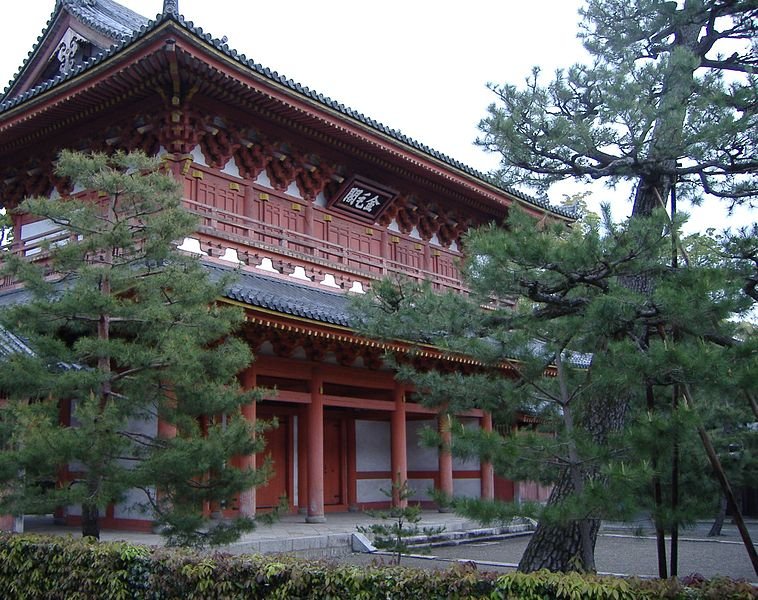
(363, 198)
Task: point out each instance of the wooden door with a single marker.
(334, 457)
(277, 448)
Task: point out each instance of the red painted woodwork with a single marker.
(407, 253)
(315, 454)
(353, 237)
(228, 113)
(334, 461)
(246, 501)
(504, 489)
(277, 449)
(399, 458)
(215, 192)
(488, 472)
(445, 458)
(352, 492)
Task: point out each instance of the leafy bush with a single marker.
(33, 567)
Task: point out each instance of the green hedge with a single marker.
(34, 567)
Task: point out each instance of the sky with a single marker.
(419, 66)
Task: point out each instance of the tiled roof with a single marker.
(106, 19)
(291, 298)
(285, 297)
(270, 293)
(12, 344)
(106, 16)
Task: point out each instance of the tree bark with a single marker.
(90, 521)
(718, 522)
(725, 487)
(558, 547)
(90, 512)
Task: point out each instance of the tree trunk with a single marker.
(90, 511)
(718, 522)
(660, 534)
(558, 547)
(90, 521)
(725, 487)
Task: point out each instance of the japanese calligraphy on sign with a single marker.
(363, 198)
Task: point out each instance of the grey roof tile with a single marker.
(12, 344)
(270, 293)
(106, 16)
(286, 297)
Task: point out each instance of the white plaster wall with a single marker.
(38, 228)
(420, 458)
(293, 190)
(198, 157)
(41, 230)
(370, 490)
(373, 446)
(469, 488)
(129, 509)
(147, 425)
(263, 179)
(421, 489)
(231, 168)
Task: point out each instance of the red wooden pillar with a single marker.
(399, 455)
(166, 430)
(352, 484)
(445, 459)
(315, 455)
(488, 473)
(247, 497)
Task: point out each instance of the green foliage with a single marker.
(602, 313)
(125, 330)
(401, 523)
(35, 568)
(667, 95)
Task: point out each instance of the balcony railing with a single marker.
(243, 234)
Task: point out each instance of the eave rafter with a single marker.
(317, 339)
(170, 55)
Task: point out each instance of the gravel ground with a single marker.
(617, 552)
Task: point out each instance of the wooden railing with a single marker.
(246, 234)
(240, 231)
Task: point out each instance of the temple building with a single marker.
(312, 201)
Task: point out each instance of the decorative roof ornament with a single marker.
(171, 7)
(68, 52)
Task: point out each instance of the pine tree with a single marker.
(668, 97)
(400, 524)
(554, 300)
(126, 332)
(667, 103)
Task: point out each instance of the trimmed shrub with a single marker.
(52, 568)
(59, 567)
